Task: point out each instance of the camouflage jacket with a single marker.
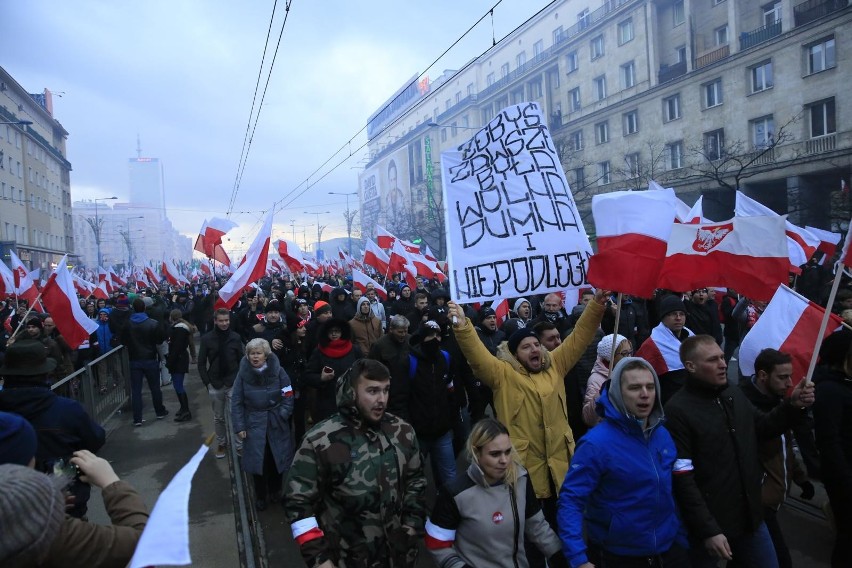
(353, 486)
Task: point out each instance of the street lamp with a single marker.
(129, 236)
(97, 227)
(349, 217)
(319, 228)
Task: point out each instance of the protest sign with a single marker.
(513, 225)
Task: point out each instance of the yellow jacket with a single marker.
(532, 406)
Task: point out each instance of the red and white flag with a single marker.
(748, 254)
(26, 282)
(398, 258)
(60, 299)
(501, 310)
(170, 273)
(291, 254)
(7, 280)
(376, 257)
(83, 287)
(100, 291)
(209, 241)
(360, 281)
(632, 231)
(790, 324)
(846, 251)
(152, 276)
(801, 243)
(427, 252)
(828, 242)
(383, 238)
(252, 269)
(115, 278)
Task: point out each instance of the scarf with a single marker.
(336, 349)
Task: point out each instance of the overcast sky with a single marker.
(181, 75)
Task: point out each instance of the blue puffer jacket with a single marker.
(620, 482)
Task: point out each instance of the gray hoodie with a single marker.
(617, 401)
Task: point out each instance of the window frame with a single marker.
(675, 21)
(602, 132)
(630, 122)
(625, 31)
(718, 93)
(628, 75)
(758, 81)
(718, 137)
(670, 155)
(604, 173)
(829, 119)
(768, 122)
(667, 117)
(825, 50)
(596, 47)
(599, 84)
(574, 96)
(718, 33)
(572, 59)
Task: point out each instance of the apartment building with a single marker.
(705, 96)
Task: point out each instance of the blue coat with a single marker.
(620, 482)
(260, 408)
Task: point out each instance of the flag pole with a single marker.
(615, 331)
(23, 320)
(838, 274)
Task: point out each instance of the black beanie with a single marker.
(519, 336)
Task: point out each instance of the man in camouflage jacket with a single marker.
(355, 494)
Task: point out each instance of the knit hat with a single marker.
(322, 307)
(520, 302)
(605, 345)
(486, 313)
(32, 509)
(27, 357)
(272, 306)
(36, 321)
(516, 338)
(671, 304)
(426, 329)
(17, 439)
(122, 300)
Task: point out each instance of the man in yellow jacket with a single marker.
(529, 391)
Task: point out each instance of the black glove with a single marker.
(807, 490)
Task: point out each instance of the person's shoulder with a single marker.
(458, 485)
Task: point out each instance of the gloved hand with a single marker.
(807, 490)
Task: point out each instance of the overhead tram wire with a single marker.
(260, 107)
(251, 112)
(395, 121)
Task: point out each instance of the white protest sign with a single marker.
(513, 226)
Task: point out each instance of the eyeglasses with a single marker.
(625, 353)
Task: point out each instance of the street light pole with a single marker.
(349, 217)
(97, 228)
(319, 228)
(129, 237)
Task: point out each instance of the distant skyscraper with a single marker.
(146, 184)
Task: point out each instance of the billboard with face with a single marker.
(385, 196)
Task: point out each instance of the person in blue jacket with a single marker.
(620, 480)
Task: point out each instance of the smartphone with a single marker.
(327, 369)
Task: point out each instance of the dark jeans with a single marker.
(150, 370)
(840, 498)
(770, 517)
(751, 550)
(270, 482)
(674, 557)
(177, 382)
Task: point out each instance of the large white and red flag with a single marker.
(748, 254)
(361, 280)
(103, 276)
(376, 257)
(633, 228)
(291, 254)
(828, 242)
(7, 280)
(790, 324)
(209, 240)
(83, 286)
(398, 258)
(383, 238)
(801, 243)
(170, 273)
(152, 276)
(26, 282)
(100, 291)
(253, 268)
(427, 252)
(60, 300)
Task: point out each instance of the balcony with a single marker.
(671, 72)
(821, 144)
(811, 10)
(713, 56)
(763, 156)
(760, 35)
(468, 100)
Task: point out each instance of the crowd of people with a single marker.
(590, 436)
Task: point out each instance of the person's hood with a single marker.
(612, 403)
(103, 311)
(337, 292)
(346, 404)
(27, 401)
(361, 301)
(345, 330)
(270, 372)
(765, 402)
(520, 302)
(504, 354)
(826, 374)
(600, 367)
(138, 318)
(183, 325)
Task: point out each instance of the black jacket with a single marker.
(394, 355)
(141, 337)
(833, 425)
(431, 402)
(215, 346)
(717, 481)
(704, 319)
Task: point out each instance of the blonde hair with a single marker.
(483, 433)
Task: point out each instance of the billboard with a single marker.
(385, 194)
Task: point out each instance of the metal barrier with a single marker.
(102, 386)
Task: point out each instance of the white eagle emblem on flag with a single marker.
(708, 237)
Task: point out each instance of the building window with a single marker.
(470, 89)
(538, 49)
(602, 132)
(583, 19)
(504, 70)
(714, 144)
(553, 79)
(489, 79)
(632, 163)
(821, 55)
(604, 173)
(574, 99)
(557, 35)
(465, 122)
(600, 87)
(772, 13)
(580, 177)
(596, 47)
(454, 129)
(631, 122)
(671, 108)
(761, 77)
(443, 135)
(762, 131)
(674, 155)
(535, 89)
(822, 118)
(522, 59)
(680, 54)
(575, 141)
(713, 94)
(573, 61)
(458, 97)
(721, 35)
(677, 13)
(625, 31)
(628, 75)
(447, 104)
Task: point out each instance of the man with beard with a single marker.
(355, 494)
(271, 328)
(702, 314)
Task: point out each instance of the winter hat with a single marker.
(516, 338)
(605, 345)
(426, 329)
(835, 347)
(32, 509)
(17, 439)
(27, 357)
(122, 300)
(272, 306)
(486, 313)
(321, 308)
(520, 302)
(671, 304)
(36, 321)
(512, 325)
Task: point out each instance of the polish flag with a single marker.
(141, 281)
(291, 254)
(25, 282)
(501, 310)
(376, 257)
(801, 243)
(7, 280)
(100, 291)
(383, 238)
(360, 280)
(427, 252)
(410, 247)
(60, 299)
(790, 324)
(632, 229)
(83, 287)
(169, 274)
(209, 241)
(152, 276)
(115, 278)
(748, 254)
(252, 269)
(828, 242)
(103, 276)
(205, 268)
(398, 258)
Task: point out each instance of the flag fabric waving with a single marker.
(828, 241)
(383, 238)
(748, 254)
(361, 280)
(790, 324)
(60, 299)
(376, 257)
(801, 243)
(633, 229)
(252, 269)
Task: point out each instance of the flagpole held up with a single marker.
(615, 331)
(824, 323)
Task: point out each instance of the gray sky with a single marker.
(182, 73)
